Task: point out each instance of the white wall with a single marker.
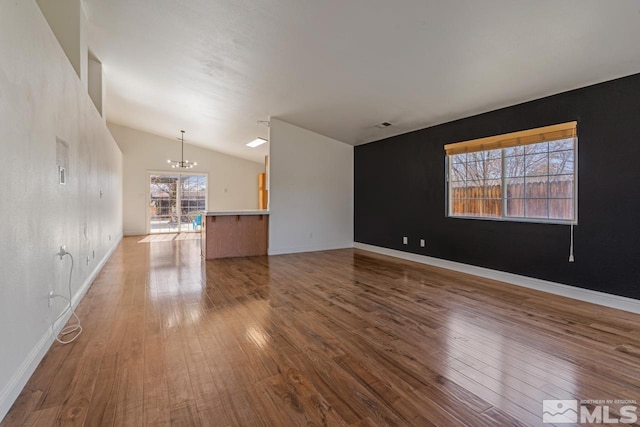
(96, 86)
(42, 98)
(310, 190)
(233, 182)
(69, 23)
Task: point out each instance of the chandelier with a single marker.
(181, 164)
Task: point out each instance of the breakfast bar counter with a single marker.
(227, 234)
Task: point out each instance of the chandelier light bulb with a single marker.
(181, 164)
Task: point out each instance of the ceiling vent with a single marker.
(383, 125)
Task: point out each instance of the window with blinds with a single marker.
(529, 175)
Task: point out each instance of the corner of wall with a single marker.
(310, 191)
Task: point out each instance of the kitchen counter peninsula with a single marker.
(236, 233)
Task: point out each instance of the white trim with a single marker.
(587, 295)
(12, 390)
(315, 248)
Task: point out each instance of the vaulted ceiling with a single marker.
(340, 67)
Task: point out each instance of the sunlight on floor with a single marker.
(169, 237)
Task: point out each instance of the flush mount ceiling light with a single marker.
(181, 164)
(256, 142)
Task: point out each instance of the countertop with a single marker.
(238, 212)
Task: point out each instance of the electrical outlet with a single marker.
(63, 251)
(62, 175)
(422, 243)
(405, 240)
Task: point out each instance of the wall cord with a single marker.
(571, 258)
(69, 329)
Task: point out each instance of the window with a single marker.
(175, 202)
(521, 176)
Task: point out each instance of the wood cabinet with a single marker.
(262, 191)
(234, 235)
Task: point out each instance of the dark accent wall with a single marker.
(400, 191)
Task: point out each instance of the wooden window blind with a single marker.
(514, 139)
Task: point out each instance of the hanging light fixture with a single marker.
(181, 164)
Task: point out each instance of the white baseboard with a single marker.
(12, 390)
(311, 248)
(595, 297)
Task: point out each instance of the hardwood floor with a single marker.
(337, 338)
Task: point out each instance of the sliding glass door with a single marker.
(175, 202)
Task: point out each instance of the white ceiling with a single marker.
(339, 67)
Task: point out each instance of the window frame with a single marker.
(150, 173)
(503, 217)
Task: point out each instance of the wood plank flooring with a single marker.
(335, 338)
